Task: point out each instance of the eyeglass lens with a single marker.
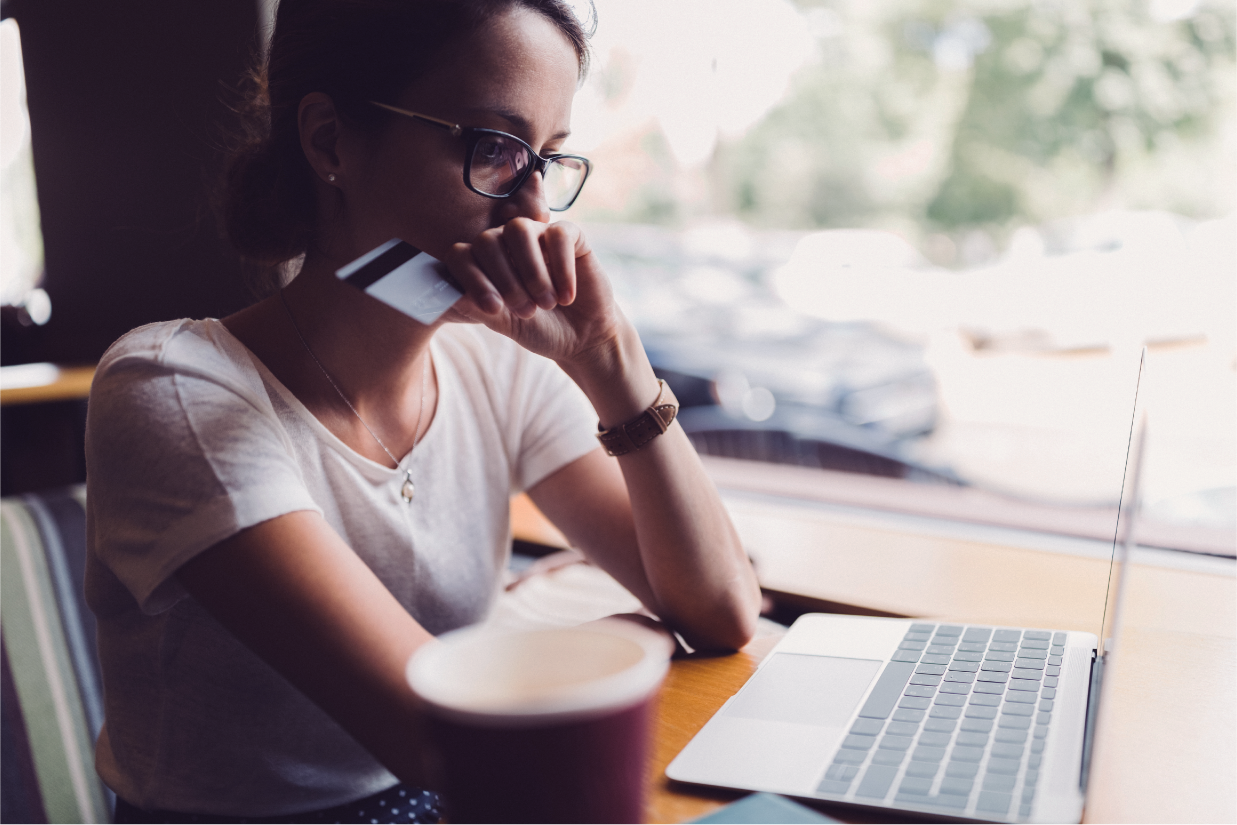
(499, 163)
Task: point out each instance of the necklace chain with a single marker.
(407, 490)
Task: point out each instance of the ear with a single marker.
(319, 128)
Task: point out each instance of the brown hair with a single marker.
(354, 51)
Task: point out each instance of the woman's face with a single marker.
(517, 74)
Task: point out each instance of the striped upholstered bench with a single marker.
(51, 707)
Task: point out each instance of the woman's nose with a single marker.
(529, 200)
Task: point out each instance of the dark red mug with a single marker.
(542, 725)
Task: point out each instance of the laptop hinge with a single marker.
(1093, 703)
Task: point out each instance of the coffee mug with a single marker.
(542, 725)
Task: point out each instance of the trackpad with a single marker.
(806, 690)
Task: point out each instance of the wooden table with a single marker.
(1167, 745)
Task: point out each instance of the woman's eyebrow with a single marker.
(517, 120)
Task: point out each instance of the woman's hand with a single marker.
(510, 272)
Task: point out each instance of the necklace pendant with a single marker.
(408, 490)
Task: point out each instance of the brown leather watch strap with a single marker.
(634, 434)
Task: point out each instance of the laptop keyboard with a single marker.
(957, 720)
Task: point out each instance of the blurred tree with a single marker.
(954, 115)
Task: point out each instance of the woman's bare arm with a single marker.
(293, 592)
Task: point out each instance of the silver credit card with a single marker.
(402, 276)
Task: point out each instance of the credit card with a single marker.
(402, 276)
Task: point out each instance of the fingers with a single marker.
(522, 265)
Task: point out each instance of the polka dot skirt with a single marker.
(400, 804)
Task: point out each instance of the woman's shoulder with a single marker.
(184, 344)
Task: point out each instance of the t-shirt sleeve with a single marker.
(183, 451)
(557, 424)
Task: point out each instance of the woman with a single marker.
(286, 504)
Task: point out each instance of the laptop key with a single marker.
(1030, 778)
(858, 741)
(940, 725)
(893, 758)
(968, 657)
(996, 667)
(993, 676)
(980, 712)
(929, 679)
(837, 786)
(1045, 704)
(1058, 638)
(1034, 760)
(944, 712)
(1041, 731)
(923, 770)
(985, 699)
(1035, 634)
(1026, 673)
(998, 656)
(955, 687)
(1055, 661)
(876, 781)
(910, 656)
(1015, 722)
(1006, 735)
(1007, 647)
(977, 634)
(956, 785)
(1013, 708)
(1048, 693)
(895, 743)
(848, 756)
(950, 700)
(868, 727)
(919, 691)
(920, 627)
(927, 753)
(973, 647)
(966, 754)
(935, 658)
(962, 770)
(989, 687)
(948, 801)
(887, 690)
(1037, 746)
(912, 644)
(843, 773)
(949, 630)
(1003, 766)
(1036, 644)
(931, 670)
(902, 728)
(915, 785)
(970, 667)
(916, 702)
(1056, 650)
(1052, 670)
(958, 676)
(976, 725)
(999, 782)
(1008, 750)
(908, 715)
(1024, 686)
(935, 739)
(1037, 664)
(940, 650)
(1043, 718)
(1006, 635)
(972, 739)
(1025, 653)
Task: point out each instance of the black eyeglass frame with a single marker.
(471, 134)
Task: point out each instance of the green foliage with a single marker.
(991, 113)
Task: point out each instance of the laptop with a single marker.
(936, 720)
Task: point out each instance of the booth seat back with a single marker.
(52, 704)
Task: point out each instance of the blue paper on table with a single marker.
(765, 808)
(402, 276)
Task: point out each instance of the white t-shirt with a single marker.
(189, 440)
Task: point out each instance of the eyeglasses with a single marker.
(496, 164)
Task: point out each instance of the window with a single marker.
(929, 243)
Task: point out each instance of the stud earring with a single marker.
(330, 178)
